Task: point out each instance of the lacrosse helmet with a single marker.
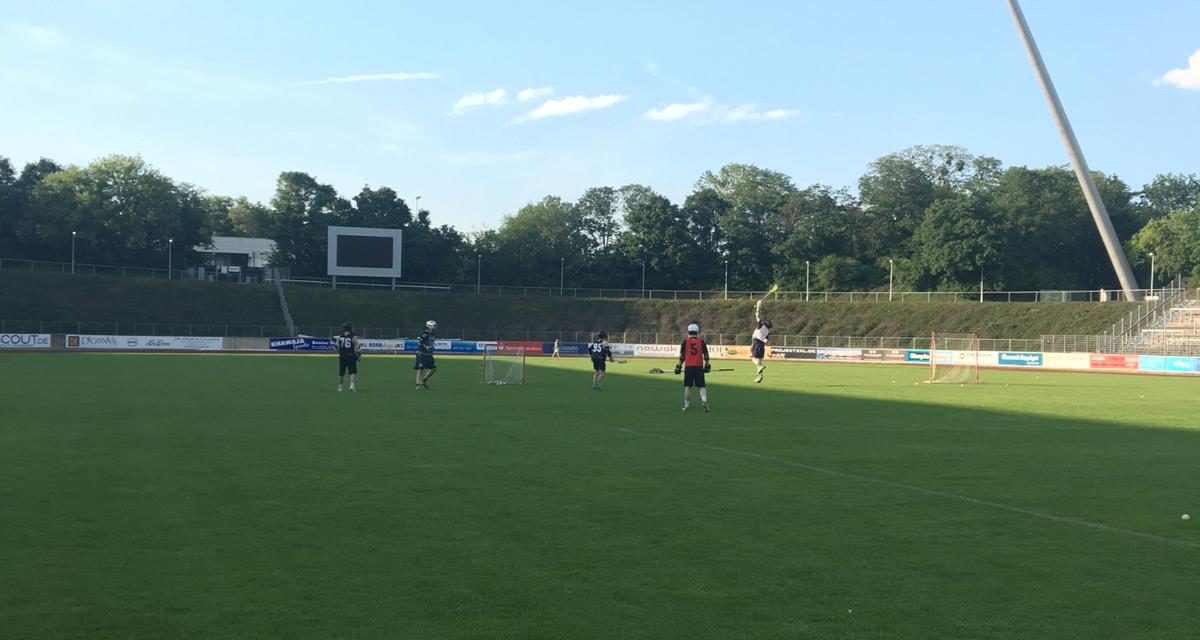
(693, 329)
(431, 325)
(347, 326)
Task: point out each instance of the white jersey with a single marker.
(761, 334)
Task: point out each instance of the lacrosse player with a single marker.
(425, 366)
(693, 361)
(349, 351)
(758, 346)
(601, 354)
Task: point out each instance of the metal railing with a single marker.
(1126, 333)
(884, 295)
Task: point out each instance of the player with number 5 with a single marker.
(693, 361)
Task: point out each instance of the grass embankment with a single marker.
(55, 297)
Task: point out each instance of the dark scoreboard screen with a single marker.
(365, 252)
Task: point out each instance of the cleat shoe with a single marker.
(685, 409)
(705, 405)
(758, 379)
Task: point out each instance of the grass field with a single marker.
(147, 496)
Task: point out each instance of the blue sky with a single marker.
(226, 95)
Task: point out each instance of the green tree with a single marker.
(301, 212)
(1169, 192)
(1175, 241)
(750, 227)
(958, 237)
(379, 208)
(895, 193)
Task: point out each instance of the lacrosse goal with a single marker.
(954, 358)
(503, 364)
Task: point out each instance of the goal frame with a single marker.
(933, 349)
(493, 350)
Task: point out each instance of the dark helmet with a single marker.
(766, 323)
(347, 326)
(602, 335)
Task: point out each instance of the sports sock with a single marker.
(704, 396)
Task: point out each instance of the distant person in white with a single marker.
(758, 347)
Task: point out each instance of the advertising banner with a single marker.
(660, 350)
(300, 344)
(531, 348)
(1065, 360)
(383, 346)
(1153, 364)
(889, 355)
(1174, 364)
(623, 349)
(728, 351)
(146, 343)
(1112, 361)
(1019, 359)
(24, 341)
(792, 353)
(570, 348)
(839, 354)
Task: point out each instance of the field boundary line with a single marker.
(921, 490)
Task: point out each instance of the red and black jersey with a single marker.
(693, 352)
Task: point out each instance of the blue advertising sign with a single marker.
(1182, 365)
(915, 355)
(1152, 363)
(301, 344)
(567, 348)
(1020, 359)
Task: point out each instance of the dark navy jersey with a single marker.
(345, 344)
(425, 343)
(599, 350)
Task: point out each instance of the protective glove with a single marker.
(678, 369)
(707, 367)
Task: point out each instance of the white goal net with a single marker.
(503, 364)
(954, 358)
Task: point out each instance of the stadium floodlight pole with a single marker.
(478, 271)
(1090, 193)
(170, 255)
(73, 234)
(891, 273)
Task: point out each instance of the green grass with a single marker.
(147, 496)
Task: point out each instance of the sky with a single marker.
(482, 107)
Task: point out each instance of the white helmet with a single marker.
(693, 328)
(431, 324)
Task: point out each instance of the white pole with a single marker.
(806, 280)
(562, 275)
(891, 273)
(726, 279)
(981, 284)
(1112, 244)
(418, 211)
(73, 234)
(1151, 273)
(170, 255)
(643, 277)
(478, 271)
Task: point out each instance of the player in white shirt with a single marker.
(758, 346)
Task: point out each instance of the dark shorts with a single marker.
(693, 377)
(347, 364)
(425, 361)
(599, 364)
(758, 349)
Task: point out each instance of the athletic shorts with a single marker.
(599, 364)
(693, 377)
(425, 361)
(347, 364)
(758, 349)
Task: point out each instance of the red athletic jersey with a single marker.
(694, 352)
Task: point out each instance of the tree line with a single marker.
(937, 217)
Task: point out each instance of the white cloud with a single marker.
(573, 104)
(376, 77)
(706, 111)
(525, 95)
(749, 112)
(34, 35)
(678, 111)
(1188, 78)
(473, 100)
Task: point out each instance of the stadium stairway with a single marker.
(1177, 333)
